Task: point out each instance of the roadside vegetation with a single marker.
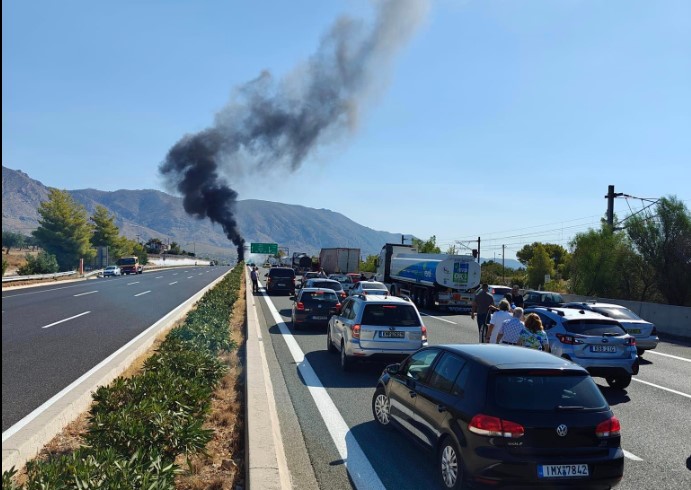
(159, 427)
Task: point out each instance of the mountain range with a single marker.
(148, 213)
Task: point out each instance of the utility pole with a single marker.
(503, 269)
(610, 204)
(478, 250)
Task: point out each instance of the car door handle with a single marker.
(441, 408)
(412, 394)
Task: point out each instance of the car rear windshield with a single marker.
(319, 296)
(616, 313)
(547, 393)
(127, 261)
(390, 315)
(281, 273)
(373, 285)
(593, 327)
(335, 285)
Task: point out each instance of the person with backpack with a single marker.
(533, 334)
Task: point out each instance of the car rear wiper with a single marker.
(570, 407)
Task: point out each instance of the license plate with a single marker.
(633, 330)
(603, 348)
(319, 318)
(562, 470)
(280, 285)
(391, 335)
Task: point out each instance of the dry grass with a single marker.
(223, 465)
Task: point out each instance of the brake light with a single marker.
(608, 428)
(356, 331)
(486, 425)
(343, 295)
(338, 306)
(424, 333)
(300, 306)
(653, 331)
(631, 341)
(568, 339)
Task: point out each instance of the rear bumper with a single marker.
(354, 350)
(608, 367)
(647, 343)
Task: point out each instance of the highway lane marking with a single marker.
(175, 273)
(190, 277)
(440, 319)
(142, 294)
(41, 291)
(668, 355)
(67, 319)
(171, 283)
(130, 283)
(359, 468)
(662, 387)
(158, 277)
(631, 456)
(84, 294)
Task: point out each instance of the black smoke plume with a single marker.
(271, 124)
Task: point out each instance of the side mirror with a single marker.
(393, 369)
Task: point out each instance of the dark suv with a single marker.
(280, 279)
(500, 415)
(314, 306)
(542, 298)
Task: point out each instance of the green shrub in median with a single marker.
(139, 425)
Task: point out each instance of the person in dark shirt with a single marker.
(516, 297)
(481, 304)
(255, 279)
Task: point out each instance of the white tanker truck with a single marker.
(430, 280)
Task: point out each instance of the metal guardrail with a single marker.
(38, 276)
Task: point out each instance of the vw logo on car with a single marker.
(562, 430)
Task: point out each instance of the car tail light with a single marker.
(424, 333)
(608, 428)
(356, 331)
(653, 331)
(338, 306)
(486, 425)
(631, 341)
(343, 295)
(568, 339)
(300, 306)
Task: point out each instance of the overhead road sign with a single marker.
(264, 248)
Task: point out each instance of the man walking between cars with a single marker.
(483, 300)
(255, 280)
(516, 297)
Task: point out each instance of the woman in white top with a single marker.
(498, 317)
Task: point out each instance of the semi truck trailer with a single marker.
(430, 280)
(339, 260)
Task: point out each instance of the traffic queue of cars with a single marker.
(491, 415)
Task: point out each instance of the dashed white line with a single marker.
(158, 277)
(67, 319)
(171, 283)
(130, 283)
(84, 294)
(667, 355)
(631, 456)
(142, 294)
(661, 387)
(440, 319)
(190, 277)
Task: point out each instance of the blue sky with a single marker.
(498, 118)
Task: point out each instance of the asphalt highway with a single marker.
(346, 449)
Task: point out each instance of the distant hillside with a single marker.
(154, 214)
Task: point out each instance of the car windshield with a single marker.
(390, 315)
(547, 393)
(616, 313)
(318, 297)
(335, 285)
(593, 327)
(281, 272)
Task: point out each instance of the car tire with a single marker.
(619, 382)
(381, 408)
(640, 352)
(329, 344)
(450, 465)
(346, 362)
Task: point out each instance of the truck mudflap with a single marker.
(455, 299)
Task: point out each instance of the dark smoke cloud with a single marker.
(272, 124)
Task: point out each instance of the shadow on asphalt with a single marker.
(614, 396)
(327, 365)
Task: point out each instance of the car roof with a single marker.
(542, 292)
(504, 357)
(594, 304)
(370, 283)
(567, 313)
(380, 298)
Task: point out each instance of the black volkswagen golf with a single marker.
(503, 416)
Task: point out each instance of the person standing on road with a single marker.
(533, 334)
(483, 300)
(498, 317)
(516, 297)
(510, 330)
(255, 279)
(322, 273)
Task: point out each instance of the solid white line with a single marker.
(171, 283)
(142, 294)
(440, 319)
(84, 294)
(361, 471)
(631, 456)
(668, 355)
(130, 283)
(662, 387)
(67, 319)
